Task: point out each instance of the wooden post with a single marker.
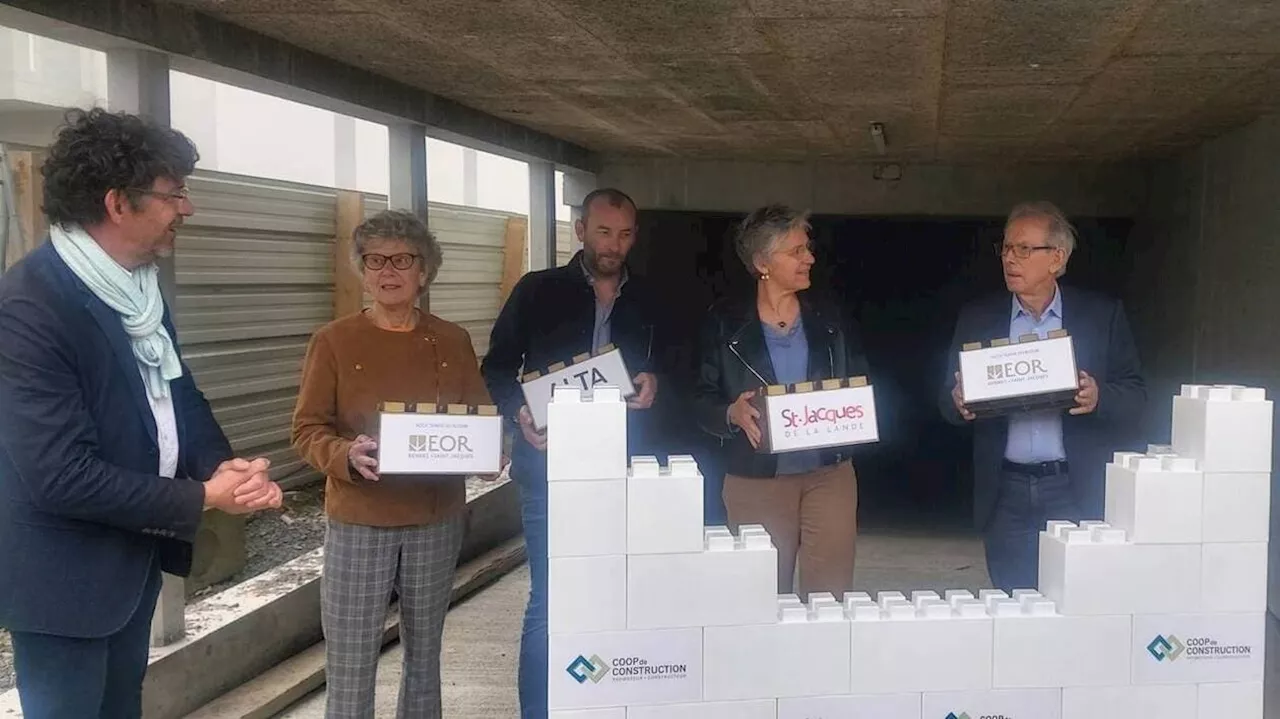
(513, 256)
(348, 290)
(28, 198)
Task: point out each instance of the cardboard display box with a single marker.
(832, 413)
(1020, 375)
(586, 371)
(432, 439)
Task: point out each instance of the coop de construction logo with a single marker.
(624, 669)
(1169, 648)
(583, 669)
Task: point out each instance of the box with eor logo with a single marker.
(1018, 376)
(586, 371)
(808, 415)
(430, 439)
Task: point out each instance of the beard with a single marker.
(603, 265)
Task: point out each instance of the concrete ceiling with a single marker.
(951, 80)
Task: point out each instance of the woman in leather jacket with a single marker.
(807, 500)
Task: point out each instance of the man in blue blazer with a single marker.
(1030, 468)
(109, 454)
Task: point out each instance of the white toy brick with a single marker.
(887, 706)
(754, 709)
(885, 598)
(1173, 701)
(664, 512)
(1234, 577)
(586, 594)
(611, 669)
(586, 519)
(863, 612)
(1156, 500)
(921, 595)
(1241, 700)
(1004, 607)
(954, 596)
(1009, 703)
(1039, 650)
(970, 609)
(1164, 578)
(855, 598)
(718, 539)
(763, 661)
(918, 653)
(1198, 648)
(586, 435)
(609, 713)
(1237, 507)
(785, 600)
(1227, 428)
(715, 587)
(987, 596)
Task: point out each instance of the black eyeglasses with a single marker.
(1022, 252)
(400, 261)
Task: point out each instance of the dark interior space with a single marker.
(904, 280)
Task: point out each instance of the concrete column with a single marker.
(575, 186)
(138, 82)
(470, 178)
(542, 215)
(407, 146)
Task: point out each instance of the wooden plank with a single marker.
(348, 288)
(28, 197)
(513, 256)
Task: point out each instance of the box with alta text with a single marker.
(587, 370)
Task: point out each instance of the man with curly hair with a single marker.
(109, 454)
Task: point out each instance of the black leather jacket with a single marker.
(734, 359)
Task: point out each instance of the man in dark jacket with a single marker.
(1030, 468)
(109, 454)
(552, 316)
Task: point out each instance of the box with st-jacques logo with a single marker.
(816, 415)
(1021, 375)
(426, 438)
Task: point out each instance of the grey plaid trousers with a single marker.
(361, 567)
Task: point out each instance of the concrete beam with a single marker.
(230, 53)
(407, 147)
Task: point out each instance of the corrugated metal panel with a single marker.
(254, 272)
(467, 288)
(566, 243)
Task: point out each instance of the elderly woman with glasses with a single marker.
(807, 500)
(384, 533)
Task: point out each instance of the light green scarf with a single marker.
(134, 295)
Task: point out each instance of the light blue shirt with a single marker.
(602, 329)
(789, 352)
(1035, 436)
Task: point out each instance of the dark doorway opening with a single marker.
(904, 279)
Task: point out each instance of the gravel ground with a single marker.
(271, 539)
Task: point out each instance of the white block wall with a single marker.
(1155, 610)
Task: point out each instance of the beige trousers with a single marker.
(812, 518)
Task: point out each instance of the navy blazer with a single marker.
(84, 513)
(1105, 349)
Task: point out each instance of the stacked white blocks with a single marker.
(1156, 611)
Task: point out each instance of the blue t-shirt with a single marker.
(789, 352)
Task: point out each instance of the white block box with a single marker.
(1083, 570)
(664, 506)
(610, 713)
(1234, 577)
(919, 654)
(1156, 500)
(714, 587)
(1173, 701)
(1242, 700)
(613, 669)
(797, 656)
(1091, 572)
(1198, 648)
(1042, 649)
(756, 709)
(586, 434)
(1226, 428)
(1237, 506)
(1004, 704)
(586, 594)
(885, 706)
(586, 519)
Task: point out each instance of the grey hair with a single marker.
(763, 229)
(1061, 233)
(399, 225)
